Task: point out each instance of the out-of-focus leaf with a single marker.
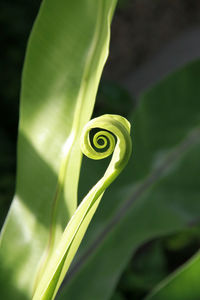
(64, 60)
(117, 296)
(182, 285)
(158, 193)
(140, 276)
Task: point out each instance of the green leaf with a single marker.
(157, 194)
(113, 136)
(182, 285)
(66, 53)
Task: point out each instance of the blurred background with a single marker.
(150, 38)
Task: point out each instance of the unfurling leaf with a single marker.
(112, 134)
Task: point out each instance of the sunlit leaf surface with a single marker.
(66, 52)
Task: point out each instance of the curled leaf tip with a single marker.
(105, 135)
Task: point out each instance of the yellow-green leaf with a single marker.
(65, 56)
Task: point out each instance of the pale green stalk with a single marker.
(113, 135)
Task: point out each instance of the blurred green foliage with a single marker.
(154, 261)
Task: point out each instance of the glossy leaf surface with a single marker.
(157, 194)
(66, 52)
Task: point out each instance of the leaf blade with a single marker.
(60, 78)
